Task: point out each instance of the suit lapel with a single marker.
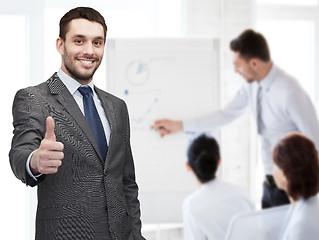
(65, 98)
(110, 115)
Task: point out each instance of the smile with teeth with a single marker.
(86, 61)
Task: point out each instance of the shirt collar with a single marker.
(266, 82)
(301, 202)
(71, 84)
(210, 182)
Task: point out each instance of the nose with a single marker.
(88, 48)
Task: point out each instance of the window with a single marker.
(293, 51)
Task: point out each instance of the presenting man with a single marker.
(72, 140)
(276, 100)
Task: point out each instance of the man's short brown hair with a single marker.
(251, 44)
(81, 12)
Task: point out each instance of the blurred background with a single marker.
(183, 30)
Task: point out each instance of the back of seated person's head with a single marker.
(297, 157)
(203, 157)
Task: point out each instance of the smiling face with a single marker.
(83, 49)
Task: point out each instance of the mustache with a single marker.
(87, 57)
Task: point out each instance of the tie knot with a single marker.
(85, 90)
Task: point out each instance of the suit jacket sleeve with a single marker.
(29, 130)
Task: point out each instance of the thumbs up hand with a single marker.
(50, 135)
(48, 157)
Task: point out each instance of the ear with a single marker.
(188, 167)
(219, 161)
(60, 45)
(254, 62)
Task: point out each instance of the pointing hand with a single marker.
(167, 126)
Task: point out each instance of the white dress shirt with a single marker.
(286, 108)
(301, 221)
(73, 85)
(208, 211)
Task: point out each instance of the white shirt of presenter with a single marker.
(208, 211)
(286, 108)
(301, 222)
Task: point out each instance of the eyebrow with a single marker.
(78, 36)
(100, 38)
(83, 36)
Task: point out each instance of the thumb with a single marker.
(50, 135)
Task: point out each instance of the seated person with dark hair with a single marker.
(297, 173)
(208, 211)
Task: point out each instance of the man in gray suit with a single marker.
(86, 189)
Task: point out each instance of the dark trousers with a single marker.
(272, 196)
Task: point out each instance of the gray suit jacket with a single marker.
(89, 197)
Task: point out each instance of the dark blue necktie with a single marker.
(93, 119)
